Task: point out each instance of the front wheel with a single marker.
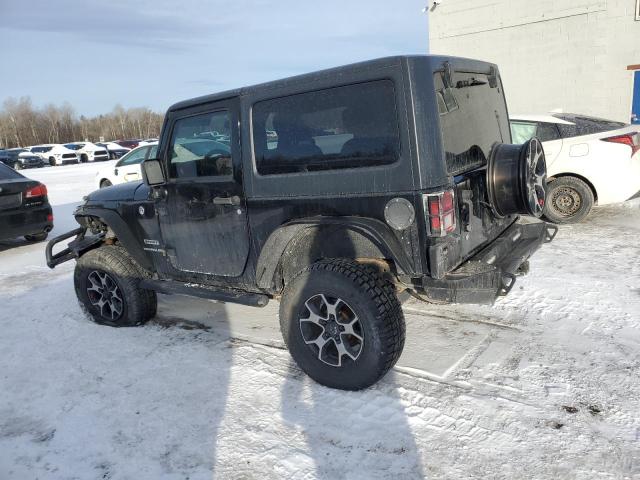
(17, 166)
(569, 200)
(107, 284)
(52, 161)
(105, 183)
(342, 323)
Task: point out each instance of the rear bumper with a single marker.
(22, 222)
(492, 272)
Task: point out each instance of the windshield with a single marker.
(473, 116)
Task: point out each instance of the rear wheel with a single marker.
(342, 323)
(569, 200)
(84, 158)
(37, 237)
(17, 166)
(105, 183)
(107, 284)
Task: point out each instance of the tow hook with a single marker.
(550, 232)
(508, 280)
(523, 269)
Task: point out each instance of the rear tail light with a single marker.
(630, 139)
(50, 218)
(37, 191)
(441, 212)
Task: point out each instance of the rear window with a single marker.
(522, 131)
(584, 125)
(353, 126)
(473, 116)
(7, 173)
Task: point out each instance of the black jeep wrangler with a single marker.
(332, 192)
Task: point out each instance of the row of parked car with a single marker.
(62, 154)
(589, 161)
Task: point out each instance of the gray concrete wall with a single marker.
(553, 54)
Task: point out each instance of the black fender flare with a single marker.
(121, 230)
(366, 237)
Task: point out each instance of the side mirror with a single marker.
(152, 173)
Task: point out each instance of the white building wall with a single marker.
(552, 54)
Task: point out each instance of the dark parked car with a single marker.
(19, 158)
(385, 176)
(128, 143)
(24, 207)
(114, 152)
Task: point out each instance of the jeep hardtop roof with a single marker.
(433, 61)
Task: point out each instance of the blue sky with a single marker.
(95, 54)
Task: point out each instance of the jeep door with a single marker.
(203, 218)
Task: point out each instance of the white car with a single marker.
(55, 154)
(589, 161)
(127, 169)
(88, 152)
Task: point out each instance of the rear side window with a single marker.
(7, 173)
(353, 126)
(523, 131)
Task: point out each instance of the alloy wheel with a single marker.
(331, 329)
(536, 177)
(104, 293)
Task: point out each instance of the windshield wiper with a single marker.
(472, 82)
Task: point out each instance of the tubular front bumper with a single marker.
(74, 249)
(491, 272)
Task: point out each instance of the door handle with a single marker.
(234, 201)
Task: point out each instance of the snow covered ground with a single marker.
(544, 384)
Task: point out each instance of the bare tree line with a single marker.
(22, 124)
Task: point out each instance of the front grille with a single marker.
(10, 201)
(68, 155)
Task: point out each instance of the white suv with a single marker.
(55, 154)
(589, 161)
(88, 152)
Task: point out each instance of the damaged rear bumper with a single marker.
(492, 272)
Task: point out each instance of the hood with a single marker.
(124, 191)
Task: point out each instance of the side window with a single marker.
(547, 132)
(353, 126)
(133, 157)
(200, 146)
(522, 131)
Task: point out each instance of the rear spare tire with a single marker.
(516, 179)
(342, 323)
(569, 200)
(107, 284)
